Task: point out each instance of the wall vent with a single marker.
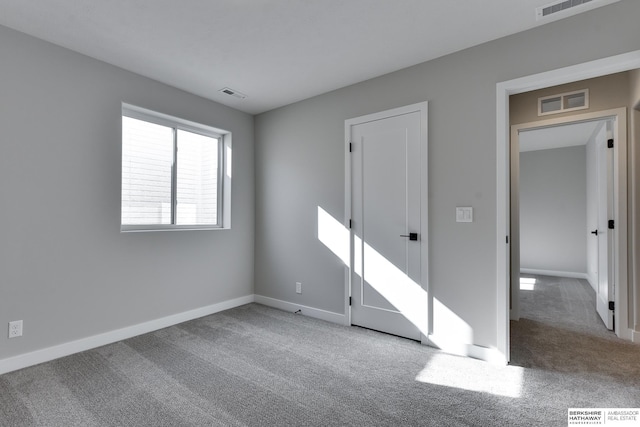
(232, 92)
(563, 102)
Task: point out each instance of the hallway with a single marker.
(559, 330)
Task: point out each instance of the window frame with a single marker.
(224, 169)
(562, 98)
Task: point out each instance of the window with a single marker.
(175, 173)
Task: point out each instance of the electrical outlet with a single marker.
(298, 287)
(15, 329)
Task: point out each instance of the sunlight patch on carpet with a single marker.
(473, 375)
(527, 283)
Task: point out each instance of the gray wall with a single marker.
(553, 210)
(300, 164)
(65, 268)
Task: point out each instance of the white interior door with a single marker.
(605, 291)
(385, 283)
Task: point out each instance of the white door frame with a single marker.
(422, 108)
(587, 70)
(619, 267)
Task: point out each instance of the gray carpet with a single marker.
(561, 331)
(257, 366)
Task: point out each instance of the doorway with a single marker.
(562, 206)
(604, 66)
(386, 203)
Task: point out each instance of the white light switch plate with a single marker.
(464, 214)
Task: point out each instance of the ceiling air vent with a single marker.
(231, 92)
(558, 6)
(564, 8)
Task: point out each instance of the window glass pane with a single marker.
(575, 101)
(197, 179)
(147, 158)
(552, 104)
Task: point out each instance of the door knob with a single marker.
(411, 236)
(595, 232)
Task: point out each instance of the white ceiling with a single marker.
(558, 136)
(275, 51)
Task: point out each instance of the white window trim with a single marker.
(224, 169)
(562, 97)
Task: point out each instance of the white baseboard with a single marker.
(490, 355)
(317, 313)
(626, 334)
(635, 336)
(569, 274)
(46, 354)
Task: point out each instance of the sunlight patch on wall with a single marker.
(333, 235)
(473, 375)
(449, 324)
(407, 296)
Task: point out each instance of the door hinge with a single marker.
(610, 143)
(507, 240)
(349, 300)
(611, 224)
(350, 147)
(350, 224)
(612, 305)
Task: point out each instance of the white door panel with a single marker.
(386, 290)
(592, 209)
(604, 289)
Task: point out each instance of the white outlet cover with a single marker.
(15, 329)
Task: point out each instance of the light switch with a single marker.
(464, 214)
